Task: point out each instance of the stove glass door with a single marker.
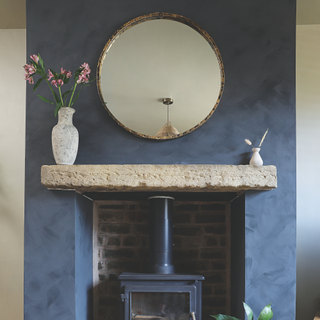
(160, 302)
(160, 305)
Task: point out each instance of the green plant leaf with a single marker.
(76, 98)
(266, 313)
(41, 73)
(64, 96)
(56, 97)
(76, 74)
(44, 99)
(67, 92)
(66, 80)
(56, 110)
(54, 73)
(248, 311)
(223, 317)
(37, 84)
(41, 62)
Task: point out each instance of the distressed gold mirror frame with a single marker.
(149, 17)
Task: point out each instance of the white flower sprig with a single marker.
(250, 143)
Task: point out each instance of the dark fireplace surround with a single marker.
(188, 189)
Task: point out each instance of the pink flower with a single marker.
(30, 69)
(60, 82)
(84, 75)
(54, 83)
(68, 74)
(28, 78)
(82, 79)
(35, 58)
(50, 75)
(85, 72)
(85, 65)
(86, 68)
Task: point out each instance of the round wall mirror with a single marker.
(160, 76)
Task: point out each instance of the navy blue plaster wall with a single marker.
(83, 258)
(270, 253)
(49, 255)
(237, 213)
(257, 42)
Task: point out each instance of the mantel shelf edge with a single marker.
(177, 177)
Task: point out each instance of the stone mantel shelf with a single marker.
(177, 178)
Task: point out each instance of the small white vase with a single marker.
(65, 138)
(256, 159)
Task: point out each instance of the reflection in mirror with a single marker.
(160, 76)
(168, 129)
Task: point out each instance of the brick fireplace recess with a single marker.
(201, 246)
(208, 235)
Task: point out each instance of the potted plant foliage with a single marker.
(266, 314)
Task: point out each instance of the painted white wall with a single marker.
(12, 155)
(308, 171)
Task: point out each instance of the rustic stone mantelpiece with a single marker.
(178, 178)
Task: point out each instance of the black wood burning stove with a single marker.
(161, 294)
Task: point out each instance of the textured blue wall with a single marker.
(270, 259)
(257, 42)
(237, 210)
(49, 255)
(83, 258)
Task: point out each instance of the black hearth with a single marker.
(160, 294)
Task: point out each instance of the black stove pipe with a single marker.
(161, 234)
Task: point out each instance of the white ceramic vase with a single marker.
(65, 138)
(256, 159)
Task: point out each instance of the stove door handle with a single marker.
(124, 296)
(193, 315)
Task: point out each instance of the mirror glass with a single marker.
(157, 68)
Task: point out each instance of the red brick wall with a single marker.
(201, 245)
